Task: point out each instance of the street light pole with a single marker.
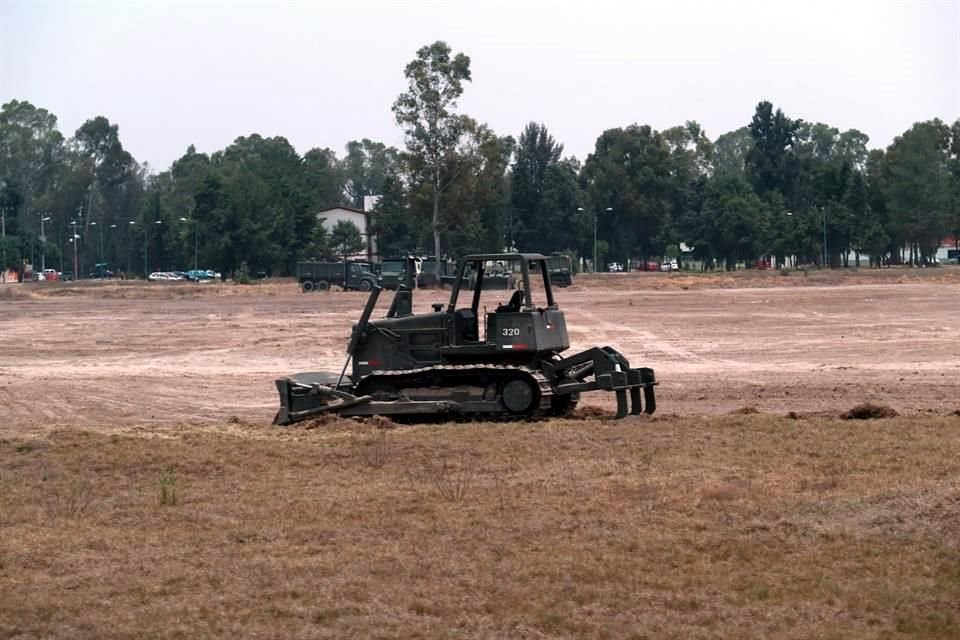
(76, 271)
(823, 211)
(3, 241)
(130, 225)
(43, 244)
(146, 235)
(596, 215)
(196, 244)
(94, 224)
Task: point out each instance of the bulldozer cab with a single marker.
(527, 321)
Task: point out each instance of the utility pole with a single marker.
(3, 217)
(43, 243)
(76, 270)
(76, 262)
(823, 211)
(596, 215)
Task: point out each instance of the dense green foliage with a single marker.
(796, 191)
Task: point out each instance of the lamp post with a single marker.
(43, 244)
(3, 241)
(113, 226)
(130, 225)
(94, 224)
(196, 243)
(823, 212)
(596, 215)
(73, 239)
(146, 236)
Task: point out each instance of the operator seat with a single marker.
(514, 305)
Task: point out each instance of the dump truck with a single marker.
(350, 276)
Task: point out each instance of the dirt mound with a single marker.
(589, 413)
(379, 422)
(322, 420)
(868, 411)
(14, 292)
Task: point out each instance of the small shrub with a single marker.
(745, 411)
(242, 275)
(168, 487)
(74, 501)
(450, 482)
(376, 451)
(868, 411)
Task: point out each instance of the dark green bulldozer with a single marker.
(466, 362)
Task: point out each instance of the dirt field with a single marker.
(118, 356)
(143, 492)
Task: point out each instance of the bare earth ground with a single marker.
(696, 523)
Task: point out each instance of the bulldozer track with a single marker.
(473, 374)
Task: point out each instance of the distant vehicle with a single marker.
(428, 275)
(101, 272)
(66, 276)
(351, 276)
(393, 271)
(496, 276)
(561, 270)
(615, 267)
(165, 276)
(197, 275)
(669, 265)
(51, 275)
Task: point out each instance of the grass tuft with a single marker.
(168, 487)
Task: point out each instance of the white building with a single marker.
(330, 216)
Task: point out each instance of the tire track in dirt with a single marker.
(650, 341)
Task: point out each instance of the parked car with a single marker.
(165, 276)
(51, 274)
(197, 275)
(669, 265)
(615, 266)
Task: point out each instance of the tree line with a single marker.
(801, 192)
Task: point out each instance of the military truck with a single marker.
(393, 271)
(350, 276)
(428, 273)
(560, 269)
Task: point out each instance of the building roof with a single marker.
(342, 209)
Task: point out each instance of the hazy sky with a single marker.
(173, 74)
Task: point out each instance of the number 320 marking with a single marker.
(511, 331)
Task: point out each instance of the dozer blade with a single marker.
(305, 395)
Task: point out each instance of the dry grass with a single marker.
(732, 527)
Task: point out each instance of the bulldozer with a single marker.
(438, 365)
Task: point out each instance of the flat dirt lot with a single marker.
(121, 355)
(143, 492)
